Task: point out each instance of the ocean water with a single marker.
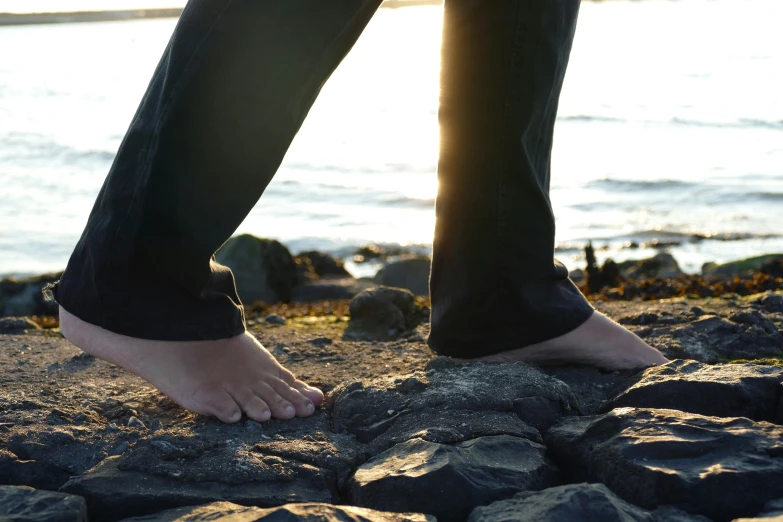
(670, 130)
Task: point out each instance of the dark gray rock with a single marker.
(17, 325)
(770, 302)
(381, 314)
(24, 297)
(772, 512)
(288, 513)
(715, 467)
(44, 457)
(331, 289)
(751, 264)
(712, 339)
(24, 504)
(448, 481)
(722, 390)
(660, 265)
(272, 464)
(464, 400)
(575, 503)
(591, 386)
(323, 264)
(411, 274)
(264, 269)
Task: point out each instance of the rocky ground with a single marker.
(406, 436)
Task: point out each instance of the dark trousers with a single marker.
(231, 91)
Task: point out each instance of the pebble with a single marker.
(274, 319)
(134, 422)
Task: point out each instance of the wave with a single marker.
(628, 185)
(742, 123)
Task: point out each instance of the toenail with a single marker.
(290, 410)
(310, 388)
(266, 414)
(236, 415)
(310, 408)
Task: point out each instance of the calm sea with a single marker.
(670, 129)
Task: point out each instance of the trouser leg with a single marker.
(230, 93)
(494, 284)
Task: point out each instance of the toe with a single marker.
(280, 407)
(304, 407)
(253, 406)
(315, 395)
(217, 402)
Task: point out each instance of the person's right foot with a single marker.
(599, 342)
(222, 378)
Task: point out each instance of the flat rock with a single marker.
(381, 314)
(258, 465)
(721, 468)
(575, 503)
(17, 325)
(25, 504)
(713, 339)
(448, 481)
(722, 390)
(772, 512)
(307, 512)
(462, 399)
(330, 289)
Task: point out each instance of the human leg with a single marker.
(494, 285)
(230, 93)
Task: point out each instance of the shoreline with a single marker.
(46, 18)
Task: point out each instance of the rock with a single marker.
(17, 325)
(713, 339)
(772, 512)
(454, 402)
(591, 386)
(448, 481)
(295, 461)
(264, 269)
(323, 264)
(660, 265)
(723, 390)
(574, 503)
(274, 319)
(751, 264)
(329, 288)
(289, 513)
(771, 302)
(577, 275)
(411, 274)
(24, 504)
(134, 422)
(773, 267)
(381, 314)
(721, 468)
(24, 297)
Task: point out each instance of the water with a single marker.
(670, 125)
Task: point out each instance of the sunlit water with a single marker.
(670, 124)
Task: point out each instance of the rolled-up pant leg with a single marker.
(494, 284)
(231, 91)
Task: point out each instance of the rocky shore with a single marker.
(404, 435)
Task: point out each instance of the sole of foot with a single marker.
(223, 378)
(598, 342)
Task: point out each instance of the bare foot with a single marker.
(598, 342)
(222, 378)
